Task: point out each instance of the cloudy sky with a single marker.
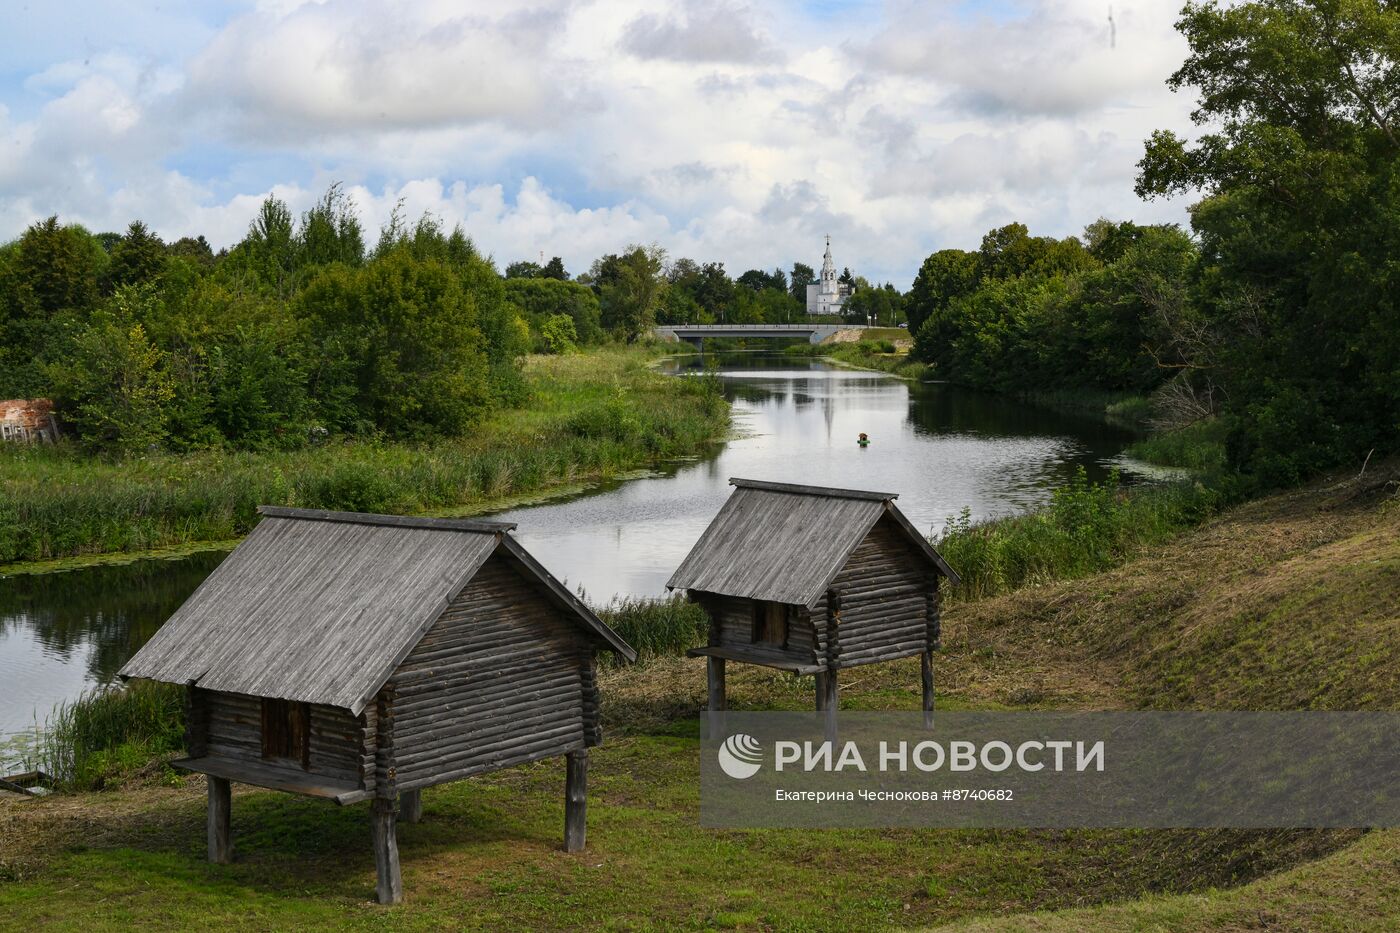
(740, 132)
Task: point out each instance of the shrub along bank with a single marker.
(588, 416)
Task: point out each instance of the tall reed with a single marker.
(590, 415)
(109, 731)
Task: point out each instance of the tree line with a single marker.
(1278, 313)
(305, 329)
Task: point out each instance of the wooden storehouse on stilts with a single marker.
(812, 580)
(365, 657)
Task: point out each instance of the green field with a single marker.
(1286, 602)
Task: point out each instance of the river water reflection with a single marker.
(941, 448)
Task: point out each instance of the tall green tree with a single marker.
(114, 384)
(138, 258)
(399, 349)
(802, 276)
(1299, 161)
(330, 232)
(630, 287)
(945, 275)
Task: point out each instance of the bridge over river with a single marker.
(696, 333)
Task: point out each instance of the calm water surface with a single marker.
(942, 449)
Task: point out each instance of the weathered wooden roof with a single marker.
(322, 607)
(786, 543)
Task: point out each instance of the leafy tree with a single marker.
(630, 287)
(330, 232)
(537, 300)
(945, 275)
(139, 257)
(1299, 161)
(48, 283)
(399, 349)
(845, 278)
(554, 269)
(1107, 241)
(195, 250)
(802, 276)
(557, 334)
(267, 255)
(258, 386)
(714, 291)
(524, 269)
(113, 385)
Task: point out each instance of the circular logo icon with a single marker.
(740, 756)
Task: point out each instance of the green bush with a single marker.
(1199, 446)
(612, 420)
(657, 627)
(109, 732)
(1088, 527)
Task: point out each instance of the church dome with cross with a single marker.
(827, 295)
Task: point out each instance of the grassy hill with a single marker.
(1286, 602)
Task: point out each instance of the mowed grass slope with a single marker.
(1286, 602)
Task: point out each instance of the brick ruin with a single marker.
(28, 420)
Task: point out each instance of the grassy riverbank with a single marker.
(1284, 602)
(590, 416)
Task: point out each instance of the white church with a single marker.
(826, 295)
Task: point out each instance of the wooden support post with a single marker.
(389, 887)
(828, 689)
(926, 665)
(576, 800)
(715, 676)
(933, 635)
(220, 838)
(411, 805)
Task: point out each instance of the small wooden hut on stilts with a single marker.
(365, 657)
(812, 580)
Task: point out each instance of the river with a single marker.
(941, 448)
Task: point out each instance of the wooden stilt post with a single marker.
(715, 676)
(220, 840)
(828, 688)
(576, 801)
(828, 700)
(926, 665)
(410, 806)
(389, 887)
(933, 634)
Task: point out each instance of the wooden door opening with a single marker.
(286, 731)
(770, 624)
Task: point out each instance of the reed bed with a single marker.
(1087, 527)
(589, 416)
(109, 732)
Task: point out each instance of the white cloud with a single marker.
(349, 66)
(739, 134)
(704, 32)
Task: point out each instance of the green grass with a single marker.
(109, 733)
(487, 857)
(1088, 527)
(657, 627)
(1200, 447)
(1280, 603)
(590, 416)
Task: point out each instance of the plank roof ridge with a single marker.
(831, 491)
(480, 526)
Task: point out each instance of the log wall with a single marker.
(734, 616)
(232, 726)
(501, 678)
(884, 590)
